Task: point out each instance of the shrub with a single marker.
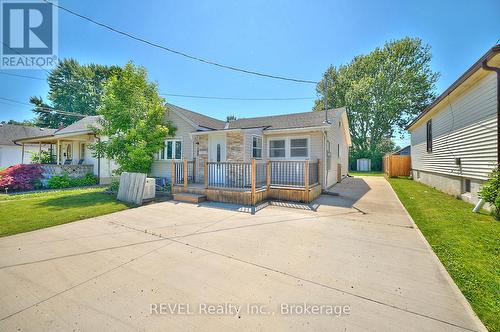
(88, 180)
(59, 181)
(44, 158)
(65, 181)
(490, 192)
(115, 184)
(21, 177)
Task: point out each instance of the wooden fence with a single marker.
(395, 165)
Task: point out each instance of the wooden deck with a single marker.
(245, 197)
(250, 183)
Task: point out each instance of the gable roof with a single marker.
(10, 133)
(274, 122)
(287, 121)
(492, 52)
(197, 118)
(82, 125)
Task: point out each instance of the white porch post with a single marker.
(58, 152)
(22, 154)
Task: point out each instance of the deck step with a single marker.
(189, 197)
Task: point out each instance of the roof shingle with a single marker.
(10, 133)
(287, 121)
(199, 119)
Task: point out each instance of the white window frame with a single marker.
(287, 140)
(173, 140)
(261, 146)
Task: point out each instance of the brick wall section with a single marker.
(234, 147)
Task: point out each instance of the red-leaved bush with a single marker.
(21, 177)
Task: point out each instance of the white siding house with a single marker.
(12, 153)
(454, 142)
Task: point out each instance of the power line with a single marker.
(233, 98)
(15, 101)
(24, 76)
(44, 109)
(186, 55)
(194, 96)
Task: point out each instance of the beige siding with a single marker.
(338, 144)
(465, 128)
(162, 168)
(248, 142)
(315, 142)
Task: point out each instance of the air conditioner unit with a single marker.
(149, 189)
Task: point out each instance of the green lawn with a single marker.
(467, 244)
(354, 173)
(27, 212)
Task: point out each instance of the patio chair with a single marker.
(68, 161)
(80, 162)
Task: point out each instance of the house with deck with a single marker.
(287, 157)
(455, 141)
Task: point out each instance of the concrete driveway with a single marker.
(353, 262)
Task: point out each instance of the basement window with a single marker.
(467, 187)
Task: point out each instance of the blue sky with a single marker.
(289, 38)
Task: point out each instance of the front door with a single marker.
(217, 148)
(217, 153)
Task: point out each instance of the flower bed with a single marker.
(34, 177)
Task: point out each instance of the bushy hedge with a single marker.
(21, 177)
(490, 192)
(65, 181)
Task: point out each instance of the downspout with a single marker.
(497, 70)
(485, 66)
(325, 168)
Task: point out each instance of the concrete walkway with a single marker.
(357, 257)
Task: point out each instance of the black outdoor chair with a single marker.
(68, 161)
(80, 162)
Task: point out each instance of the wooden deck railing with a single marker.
(240, 175)
(254, 175)
(183, 172)
(236, 175)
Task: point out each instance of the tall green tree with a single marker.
(382, 91)
(73, 88)
(28, 123)
(132, 121)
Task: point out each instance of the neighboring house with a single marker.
(71, 150)
(406, 151)
(454, 141)
(12, 153)
(290, 139)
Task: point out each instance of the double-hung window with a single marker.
(257, 147)
(171, 150)
(298, 147)
(277, 148)
(289, 148)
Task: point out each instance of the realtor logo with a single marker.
(29, 35)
